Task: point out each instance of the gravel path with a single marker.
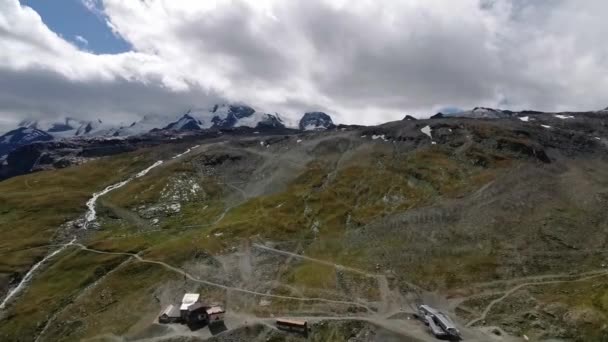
(225, 287)
(487, 310)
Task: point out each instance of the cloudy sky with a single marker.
(362, 61)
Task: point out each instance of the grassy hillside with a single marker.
(33, 207)
(335, 216)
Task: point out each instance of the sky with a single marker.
(361, 61)
(79, 23)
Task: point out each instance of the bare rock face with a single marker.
(314, 121)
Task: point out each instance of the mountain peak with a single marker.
(313, 121)
(185, 123)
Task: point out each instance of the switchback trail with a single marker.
(520, 286)
(221, 286)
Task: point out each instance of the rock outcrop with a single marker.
(316, 121)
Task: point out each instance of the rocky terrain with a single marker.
(495, 217)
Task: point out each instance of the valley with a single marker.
(500, 222)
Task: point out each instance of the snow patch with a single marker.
(428, 131)
(313, 127)
(563, 117)
(546, 126)
(524, 118)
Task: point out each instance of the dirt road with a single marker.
(487, 310)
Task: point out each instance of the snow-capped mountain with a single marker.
(185, 123)
(225, 116)
(21, 136)
(145, 125)
(222, 116)
(266, 121)
(316, 121)
(70, 127)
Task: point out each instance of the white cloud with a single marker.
(361, 61)
(82, 40)
(94, 6)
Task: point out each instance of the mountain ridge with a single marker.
(224, 116)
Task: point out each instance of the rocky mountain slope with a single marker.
(20, 137)
(500, 222)
(316, 121)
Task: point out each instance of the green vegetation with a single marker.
(313, 276)
(70, 273)
(334, 210)
(122, 300)
(32, 207)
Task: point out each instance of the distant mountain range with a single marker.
(492, 113)
(218, 117)
(223, 116)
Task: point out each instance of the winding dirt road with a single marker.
(487, 310)
(221, 286)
